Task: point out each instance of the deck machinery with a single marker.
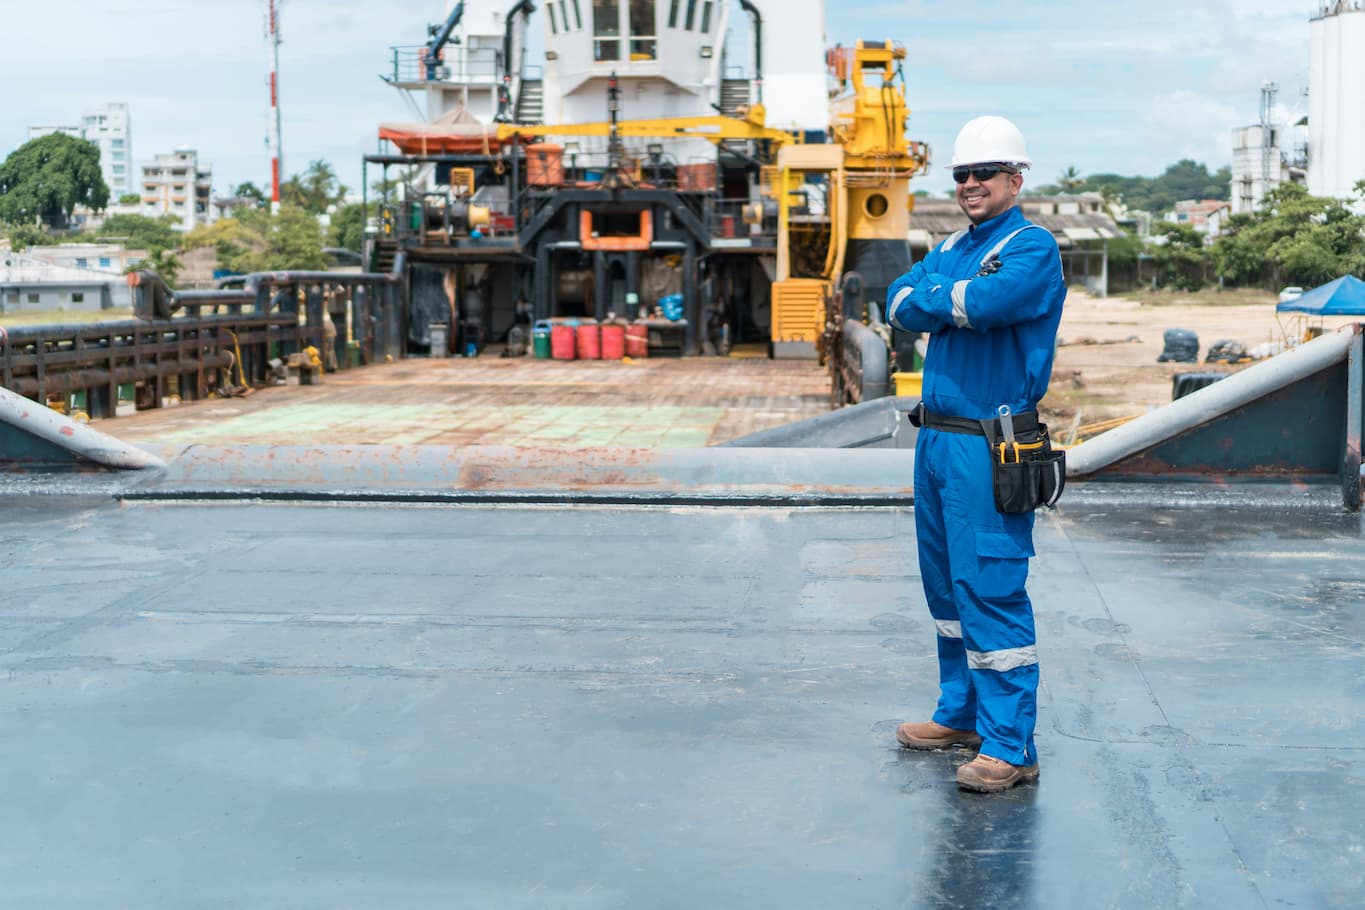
(646, 161)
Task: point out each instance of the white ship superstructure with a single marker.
(671, 58)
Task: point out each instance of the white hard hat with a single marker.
(987, 140)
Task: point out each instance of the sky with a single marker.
(1103, 87)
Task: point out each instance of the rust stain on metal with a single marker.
(476, 477)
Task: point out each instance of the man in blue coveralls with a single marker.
(990, 298)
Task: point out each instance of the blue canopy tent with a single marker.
(1343, 297)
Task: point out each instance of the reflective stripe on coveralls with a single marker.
(1006, 659)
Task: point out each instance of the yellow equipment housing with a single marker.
(857, 188)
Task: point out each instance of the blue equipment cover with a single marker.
(1343, 297)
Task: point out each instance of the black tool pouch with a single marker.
(1026, 474)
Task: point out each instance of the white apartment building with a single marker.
(110, 128)
(38, 132)
(176, 184)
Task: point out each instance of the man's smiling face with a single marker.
(982, 200)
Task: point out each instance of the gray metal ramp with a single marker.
(1293, 418)
(318, 705)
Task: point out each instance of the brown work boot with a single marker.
(930, 735)
(985, 774)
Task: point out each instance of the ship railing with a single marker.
(187, 345)
(458, 65)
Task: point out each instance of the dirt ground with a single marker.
(1106, 365)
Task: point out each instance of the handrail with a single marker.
(174, 347)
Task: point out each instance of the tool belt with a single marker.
(1025, 470)
(1025, 422)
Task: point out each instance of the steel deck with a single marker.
(652, 403)
(401, 705)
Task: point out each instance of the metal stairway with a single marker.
(734, 95)
(385, 251)
(531, 101)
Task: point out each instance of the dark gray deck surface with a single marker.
(212, 705)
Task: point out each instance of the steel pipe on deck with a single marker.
(865, 368)
(79, 440)
(1208, 403)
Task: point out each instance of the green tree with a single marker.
(139, 232)
(294, 241)
(1293, 238)
(1186, 179)
(23, 236)
(232, 240)
(1181, 258)
(164, 262)
(47, 177)
(254, 240)
(1070, 180)
(348, 226)
(249, 190)
(315, 190)
(129, 199)
(1124, 250)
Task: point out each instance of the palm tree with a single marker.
(1070, 179)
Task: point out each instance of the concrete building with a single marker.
(1265, 155)
(109, 126)
(1258, 166)
(99, 257)
(31, 282)
(176, 184)
(1207, 216)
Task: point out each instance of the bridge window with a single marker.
(706, 17)
(606, 29)
(554, 24)
(577, 15)
(673, 13)
(691, 14)
(642, 32)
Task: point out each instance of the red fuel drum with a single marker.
(562, 342)
(637, 341)
(589, 342)
(613, 342)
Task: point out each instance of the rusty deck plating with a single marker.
(659, 403)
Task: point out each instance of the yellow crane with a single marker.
(845, 205)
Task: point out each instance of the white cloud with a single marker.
(1187, 124)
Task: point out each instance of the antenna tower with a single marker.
(1269, 145)
(272, 33)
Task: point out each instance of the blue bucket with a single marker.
(672, 305)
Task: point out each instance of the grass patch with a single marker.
(1206, 297)
(64, 317)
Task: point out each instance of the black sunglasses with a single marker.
(982, 172)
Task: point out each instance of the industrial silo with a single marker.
(1336, 114)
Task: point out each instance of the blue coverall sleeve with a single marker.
(900, 312)
(1017, 292)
